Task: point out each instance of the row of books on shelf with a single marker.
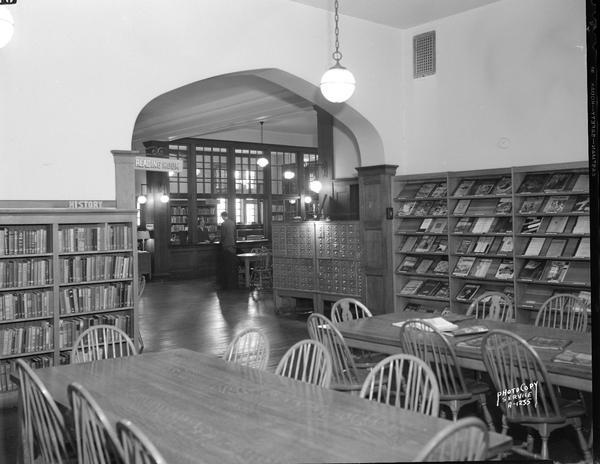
(481, 187)
(484, 268)
(206, 210)
(179, 219)
(556, 225)
(8, 368)
(555, 204)
(26, 339)
(94, 238)
(483, 225)
(423, 190)
(485, 245)
(555, 182)
(179, 210)
(22, 305)
(95, 297)
(491, 206)
(424, 244)
(23, 240)
(558, 247)
(422, 208)
(25, 272)
(71, 328)
(418, 265)
(88, 268)
(426, 287)
(556, 271)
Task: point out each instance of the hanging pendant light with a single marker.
(262, 161)
(338, 83)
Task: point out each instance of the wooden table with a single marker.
(199, 408)
(378, 334)
(248, 258)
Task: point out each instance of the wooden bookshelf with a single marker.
(62, 270)
(523, 231)
(421, 242)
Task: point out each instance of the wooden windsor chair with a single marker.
(307, 361)
(348, 309)
(511, 363)
(261, 274)
(404, 381)
(345, 374)
(96, 440)
(250, 347)
(465, 440)
(102, 342)
(137, 448)
(44, 433)
(421, 339)
(495, 306)
(563, 311)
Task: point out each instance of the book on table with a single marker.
(463, 265)
(471, 343)
(425, 189)
(534, 246)
(504, 186)
(467, 293)
(470, 330)
(548, 343)
(573, 357)
(438, 323)
(464, 188)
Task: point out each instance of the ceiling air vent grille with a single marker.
(424, 54)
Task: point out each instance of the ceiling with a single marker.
(214, 108)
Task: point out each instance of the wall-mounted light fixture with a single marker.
(315, 186)
(307, 199)
(7, 26)
(164, 198)
(289, 175)
(338, 83)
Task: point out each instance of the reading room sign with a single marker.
(145, 163)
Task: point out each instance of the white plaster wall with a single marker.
(77, 73)
(509, 90)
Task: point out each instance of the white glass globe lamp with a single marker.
(337, 84)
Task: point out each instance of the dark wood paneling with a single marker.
(376, 294)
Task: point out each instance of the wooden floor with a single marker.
(193, 314)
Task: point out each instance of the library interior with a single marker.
(221, 240)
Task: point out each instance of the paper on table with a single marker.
(438, 322)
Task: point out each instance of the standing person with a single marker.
(228, 274)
